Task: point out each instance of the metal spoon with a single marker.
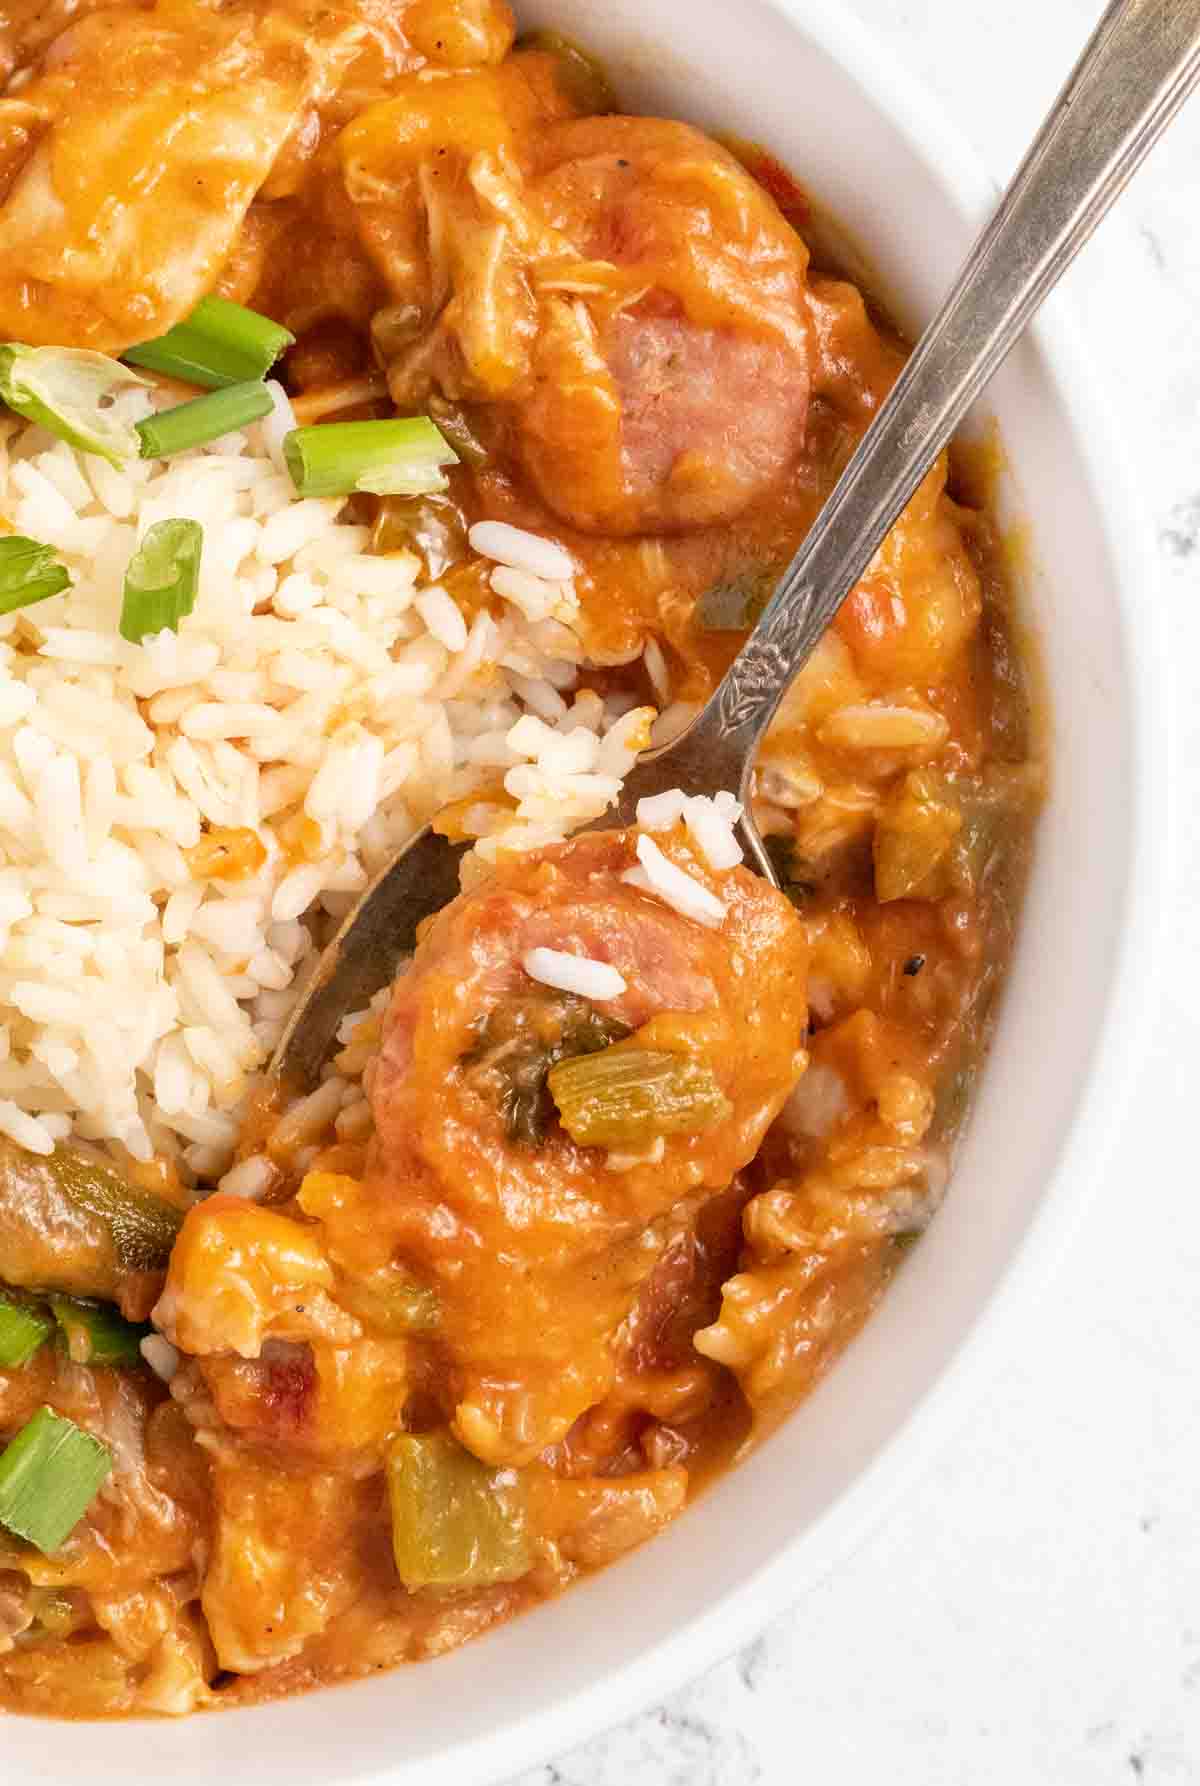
(1139, 66)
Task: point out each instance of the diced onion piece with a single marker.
(203, 419)
(24, 1329)
(218, 344)
(49, 1475)
(389, 458)
(29, 572)
(674, 887)
(63, 389)
(574, 973)
(162, 579)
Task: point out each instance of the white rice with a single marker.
(710, 822)
(160, 1355)
(250, 1178)
(523, 551)
(319, 698)
(662, 877)
(574, 973)
(275, 427)
(443, 617)
(661, 812)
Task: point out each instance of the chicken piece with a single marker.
(663, 1390)
(93, 1677)
(300, 257)
(459, 33)
(621, 282)
(283, 1560)
(818, 1252)
(29, 27)
(434, 176)
(336, 1402)
(241, 1275)
(141, 141)
(592, 1521)
(535, 1245)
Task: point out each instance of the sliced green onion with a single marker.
(93, 1334)
(396, 458)
(218, 344)
(203, 419)
(24, 1329)
(64, 389)
(49, 1475)
(161, 582)
(29, 572)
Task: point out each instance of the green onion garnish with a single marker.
(24, 1329)
(48, 1477)
(394, 458)
(162, 578)
(29, 572)
(218, 344)
(65, 389)
(93, 1334)
(203, 419)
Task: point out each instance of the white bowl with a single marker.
(796, 77)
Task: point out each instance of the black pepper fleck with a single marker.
(914, 964)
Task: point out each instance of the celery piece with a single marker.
(389, 1301)
(914, 840)
(455, 1522)
(627, 1096)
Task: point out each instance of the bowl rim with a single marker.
(737, 1617)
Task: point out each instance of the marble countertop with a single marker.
(1030, 1614)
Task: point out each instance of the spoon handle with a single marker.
(1139, 66)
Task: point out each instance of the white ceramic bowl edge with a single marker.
(801, 78)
